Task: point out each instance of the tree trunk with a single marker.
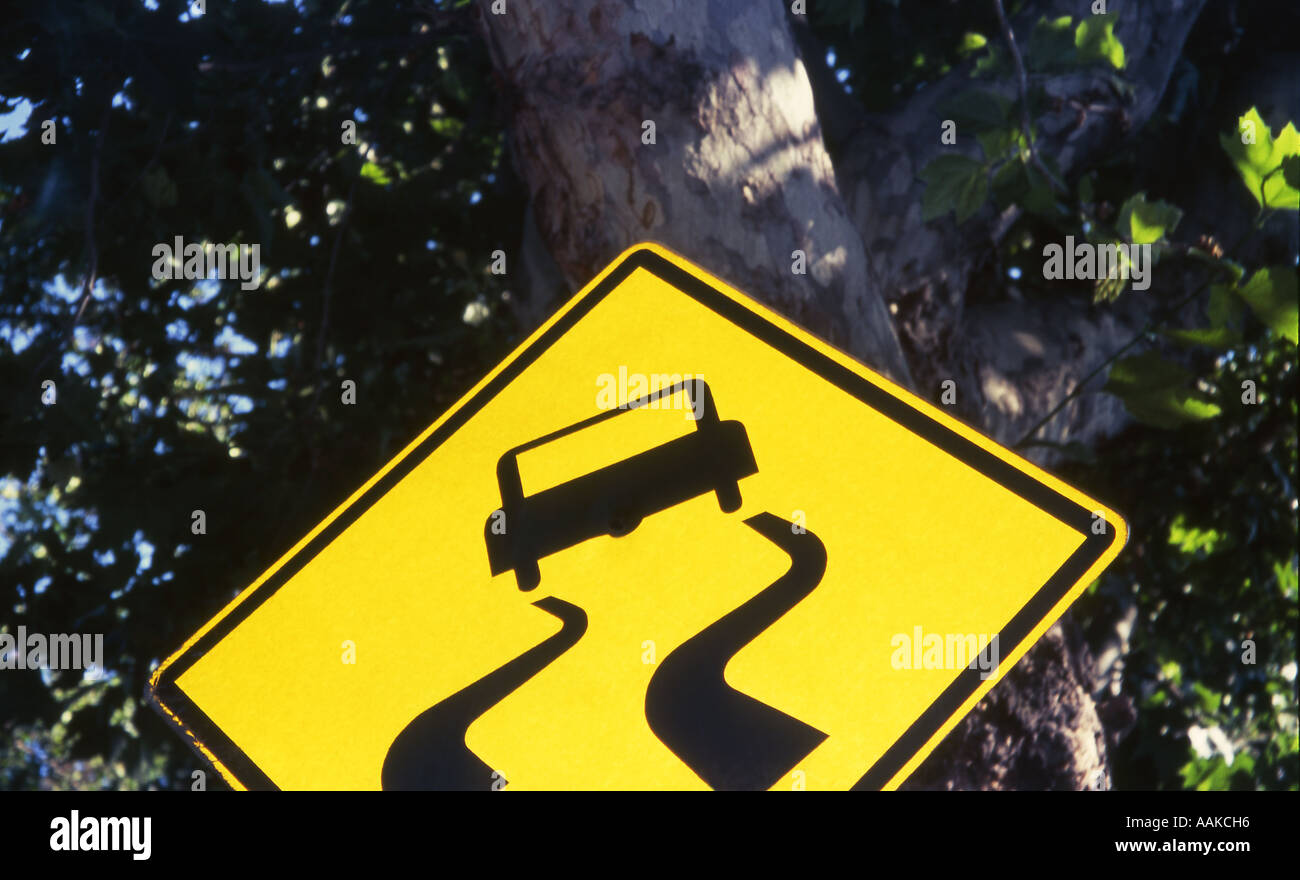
(736, 173)
(739, 176)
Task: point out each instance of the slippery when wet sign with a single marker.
(672, 541)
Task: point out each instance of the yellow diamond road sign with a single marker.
(672, 541)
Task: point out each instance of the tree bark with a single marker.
(737, 174)
(740, 175)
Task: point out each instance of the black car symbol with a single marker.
(614, 499)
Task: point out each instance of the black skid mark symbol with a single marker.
(732, 741)
(430, 752)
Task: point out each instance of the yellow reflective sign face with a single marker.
(673, 541)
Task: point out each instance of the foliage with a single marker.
(177, 396)
(1210, 569)
(956, 183)
(1156, 390)
(1156, 393)
(1260, 162)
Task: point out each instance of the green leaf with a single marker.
(1051, 43)
(1225, 312)
(1018, 183)
(990, 63)
(1095, 40)
(372, 172)
(447, 126)
(1147, 369)
(1220, 339)
(1273, 295)
(1107, 287)
(998, 142)
(1040, 198)
(1147, 222)
(1209, 699)
(953, 183)
(1224, 309)
(1192, 540)
(1192, 408)
(1155, 392)
(1206, 774)
(1260, 164)
(971, 42)
(1288, 578)
(977, 109)
(1009, 184)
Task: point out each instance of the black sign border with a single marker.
(201, 733)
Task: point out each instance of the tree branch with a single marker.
(1023, 86)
